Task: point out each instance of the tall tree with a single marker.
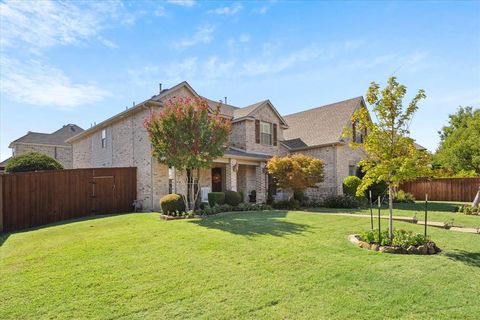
(187, 135)
(459, 149)
(391, 153)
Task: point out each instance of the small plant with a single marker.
(216, 198)
(172, 204)
(291, 204)
(401, 238)
(403, 197)
(344, 201)
(448, 224)
(232, 198)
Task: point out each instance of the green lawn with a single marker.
(437, 211)
(273, 265)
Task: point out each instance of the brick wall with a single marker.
(63, 154)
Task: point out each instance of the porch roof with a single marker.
(234, 153)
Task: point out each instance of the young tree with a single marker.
(296, 171)
(391, 153)
(459, 150)
(188, 136)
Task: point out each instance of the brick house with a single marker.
(258, 133)
(52, 144)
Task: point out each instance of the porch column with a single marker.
(260, 181)
(231, 169)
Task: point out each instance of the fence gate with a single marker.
(103, 194)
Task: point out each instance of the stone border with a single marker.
(168, 218)
(428, 248)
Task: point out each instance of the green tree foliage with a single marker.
(188, 135)
(296, 171)
(32, 161)
(350, 185)
(391, 153)
(459, 150)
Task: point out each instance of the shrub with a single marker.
(401, 238)
(172, 204)
(403, 197)
(216, 198)
(232, 198)
(350, 185)
(291, 204)
(226, 208)
(32, 161)
(344, 201)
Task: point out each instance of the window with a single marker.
(265, 133)
(104, 138)
(352, 170)
(357, 133)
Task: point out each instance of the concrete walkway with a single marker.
(435, 224)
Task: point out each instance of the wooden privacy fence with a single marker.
(445, 189)
(30, 199)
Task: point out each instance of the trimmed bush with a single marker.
(32, 161)
(232, 198)
(172, 204)
(401, 238)
(350, 185)
(344, 201)
(216, 198)
(403, 197)
(291, 204)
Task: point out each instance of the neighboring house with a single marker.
(52, 144)
(258, 133)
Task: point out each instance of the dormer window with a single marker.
(265, 133)
(104, 138)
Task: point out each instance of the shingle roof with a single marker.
(225, 109)
(4, 162)
(246, 111)
(319, 126)
(56, 138)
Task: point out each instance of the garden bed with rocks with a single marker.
(428, 248)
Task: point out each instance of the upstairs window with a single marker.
(104, 138)
(358, 135)
(265, 133)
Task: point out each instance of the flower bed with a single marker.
(404, 242)
(206, 210)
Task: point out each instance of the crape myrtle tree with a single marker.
(296, 171)
(188, 136)
(391, 155)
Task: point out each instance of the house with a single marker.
(258, 133)
(52, 144)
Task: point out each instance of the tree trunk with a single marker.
(476, 201)
(390, 213)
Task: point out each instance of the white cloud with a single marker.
(276, 65)
(160, 12)
(107, 43)
(261, 10)
(38, 84)
(227, 10)
(47, 23)
(183, 3)
(204, 34)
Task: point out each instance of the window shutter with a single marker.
(257, 131)
(274, 134)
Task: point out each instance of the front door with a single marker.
(217, 180)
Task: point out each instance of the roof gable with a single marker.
(250, 110)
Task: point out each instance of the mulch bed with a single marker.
(425, 249)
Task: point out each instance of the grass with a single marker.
(272, 265)
(437, 211)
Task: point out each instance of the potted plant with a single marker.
(253, 196)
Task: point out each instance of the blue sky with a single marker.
(82, 62)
